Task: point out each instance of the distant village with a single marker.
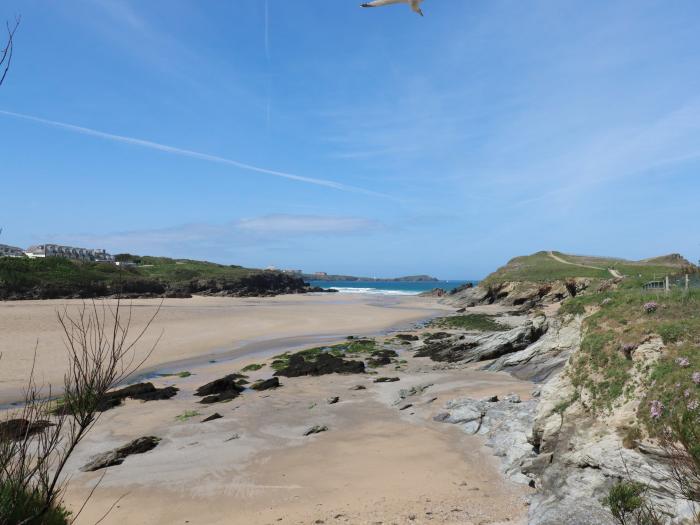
(41, 251)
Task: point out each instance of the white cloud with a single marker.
(306, 225)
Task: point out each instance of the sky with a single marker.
(321, 136)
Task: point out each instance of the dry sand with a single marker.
(200, 328)
(374, 464)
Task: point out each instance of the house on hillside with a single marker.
(10, 251)
(68, 252)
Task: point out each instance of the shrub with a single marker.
(20, 505)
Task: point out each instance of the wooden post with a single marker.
(668, 284)
(687, 282)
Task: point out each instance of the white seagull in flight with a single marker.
(415, 4)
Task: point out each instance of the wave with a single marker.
(374, 291)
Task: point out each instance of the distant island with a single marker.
(322, 276)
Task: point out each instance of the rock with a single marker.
(333, 400)
(461, 310)
(358, 387)
(141, 391)
(470, 348)
(223, 389)
(378, 361)
(541, 360)
(492, 399)
(435, 292)
(118, 455)
(317, 429)
(386, 380)
(437, 335)
(213, 417)
(324, 364)
(512, 398)
(413, 391)
(384, 353)
(506, 425)
(407, 337)
(267, 384)
(406, 406)
(18, 429)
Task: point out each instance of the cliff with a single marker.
(617, 371)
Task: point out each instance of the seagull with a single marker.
(415, 4)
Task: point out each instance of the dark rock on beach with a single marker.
(118, 455)
(267, 384)
(213, 417)
(223, 389)
(317, 429)
(322, 365)
(407, 337)
(386, 380)
(18, 429)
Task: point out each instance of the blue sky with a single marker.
(315, 134)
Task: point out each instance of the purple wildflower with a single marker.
(683, 362)
(696, 378)
(693, 405)
(656, 409)
(651, 307)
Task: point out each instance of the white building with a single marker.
(68, 252)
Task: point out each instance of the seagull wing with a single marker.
(379, 3)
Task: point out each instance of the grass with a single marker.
(540, 267)
(189, 414)
(616, 319)
(480, 322)
(58, 277)
(18, 505)
(350, 347)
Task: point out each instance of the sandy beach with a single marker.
(201, 328)
(381, 459)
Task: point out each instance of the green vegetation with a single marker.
(627, 503)
(252, 367)
(18, 505)
(480, 322)
(55, 277)
(353, 346)
(189, 414)
(182, 375)
(618, 324)
(542, 267)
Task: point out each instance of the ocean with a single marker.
(388, 287)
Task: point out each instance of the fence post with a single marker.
(687, 282)
(668, 284)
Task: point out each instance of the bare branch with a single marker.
(7, 51)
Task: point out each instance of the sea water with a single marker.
(389, 287)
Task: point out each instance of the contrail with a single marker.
(193, 154)
(267, 30)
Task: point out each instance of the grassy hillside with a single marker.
(553, 266)
(56, 278)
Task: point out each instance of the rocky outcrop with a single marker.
(118, 455)
(323, 364)
(469, 347)
(506, 425)
(582, 453)
(517, 293)
(542, 359)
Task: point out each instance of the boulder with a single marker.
(267, 384)
(118, 455)
(223, 389)
(213, 417)
(386, 380)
